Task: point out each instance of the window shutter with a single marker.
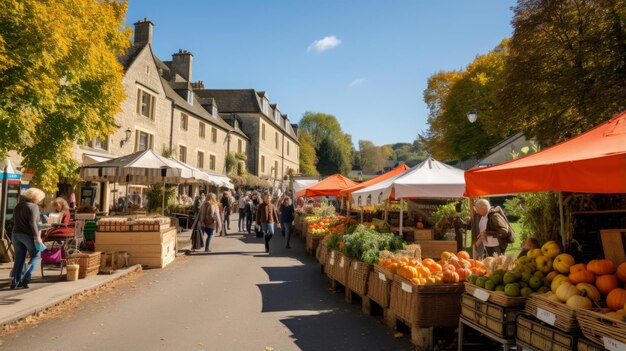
(151, 141)
(152, 106)
(139, 101)
(137, 140)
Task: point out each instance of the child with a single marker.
(529, 244)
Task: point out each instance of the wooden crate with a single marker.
(586, 345)
(497, 297)
(553, 313)
(152, 249)
(434, 248)
(423, 234)
(543, 337)
(498, 319)
(601, 329)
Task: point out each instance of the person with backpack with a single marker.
(210, 219)
(491, 231)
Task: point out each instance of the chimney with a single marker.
(198, 85)
(143, 32)
(181, 63)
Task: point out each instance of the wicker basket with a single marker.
(312, 241)
(321, 253)
(426, 305)
(498, 319)
(358, 274)
(88, 262)
(564, 316)
(379, 285)
(536, 334)
(341, 269)
(330, 262)
(586, 345)
(497, 297)
(597, 327)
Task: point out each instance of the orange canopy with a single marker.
(593, 162)
(329, 186)
(348, 191)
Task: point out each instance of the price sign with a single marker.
(482, 295)
(382, 277)
(355, 265)
(546, 316)
(332, 255)
(407, 287)
(613, 345)
(341, 263)
(332, 261)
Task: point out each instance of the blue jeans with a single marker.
(268, 232)
(287, 229)
(23, 243)
(209, 234)
(242, 219)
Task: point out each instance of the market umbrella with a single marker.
(330, 186)
(392, 173)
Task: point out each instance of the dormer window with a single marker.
(190, 97)
(266, 107)
(236, 124)
(276, 116)
(214, 110)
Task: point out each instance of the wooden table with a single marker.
(186, 216)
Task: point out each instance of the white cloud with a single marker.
(356, 82)
(324, 44)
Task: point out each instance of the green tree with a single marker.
(331, 158)
(566, 69)
(60, 79)
(326, 128)
(308, 158)
(373, 157)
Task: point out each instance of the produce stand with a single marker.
(434, 248)
(148, 241)
(602, 330)
(532, 334)
(506, 343)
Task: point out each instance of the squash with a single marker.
(616, 299)
(551, 249)
(582, 277)
(621, 272)
(534, 253)
(577, 301)
(551, 275)
(566, 290)
(606, 283)
(589, 291)
(463, 255)
(563, 262)
(557, 281)
(450, 276)
(601, 267)
(554, 298)
(463, 274)
(577, 267)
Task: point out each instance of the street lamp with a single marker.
(128, 133)
(472, 115)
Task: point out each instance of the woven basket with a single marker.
(379, 285)
(320, 254)
(341, 269)
(500, 320)
(330, 262)
(312, 241)
(596, 326)
(88, 262)
(586, 345)
(565, 316)
(426, 305)
(497, 297)
(536, 334)
(358, 274)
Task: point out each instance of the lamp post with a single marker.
(128, 133)
(472, 115)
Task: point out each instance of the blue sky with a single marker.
(367, 62)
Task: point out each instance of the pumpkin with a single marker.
(566, 290)
(463, 273)
(601, 267)
(616, 299)
(577, 301)
(463, 255)
(563, 262)
(582, 277)
(578, 267)
(589, 291)
(551, 249)
(606, 283)
(450, 276)
(621, 272)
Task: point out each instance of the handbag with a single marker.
(54, 255)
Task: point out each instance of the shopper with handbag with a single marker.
(267, 216)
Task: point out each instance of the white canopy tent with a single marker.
(202, 176)
(301, 184)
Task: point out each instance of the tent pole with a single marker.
(163, 200)
(401, 214)
(471, 222)
(386, 211)
(562, 227)
(361, 215)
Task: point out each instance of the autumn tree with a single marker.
(566, 69)
(333, 147)
(373, 158)
(308, 158)
(60, 79)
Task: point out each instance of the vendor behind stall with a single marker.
(60, 220)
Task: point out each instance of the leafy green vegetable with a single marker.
(365, 244)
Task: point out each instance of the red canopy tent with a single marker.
(331, 186)
(348, 191)
(593, 162)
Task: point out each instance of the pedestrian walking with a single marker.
(248, 213)
(210, 219)
(267, 216)
(242, 213)
(226, 204)
(286, 219)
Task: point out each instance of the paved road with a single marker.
(235, 298)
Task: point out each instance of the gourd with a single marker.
(621, 272)
(557, 281)
(463, 255)
(565, 291)
(606, 283)
(589, 291)
(577, 267)
(577, 301)
(450, 276)
(616, 299)
(601, 267)
(582, 277)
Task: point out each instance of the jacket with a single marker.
(25, 218)
(266, 213)
(206, 206)
(496, 227)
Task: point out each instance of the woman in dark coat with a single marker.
(26, 235)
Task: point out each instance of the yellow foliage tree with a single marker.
(60, 79)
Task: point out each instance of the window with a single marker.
(182, 153)
(276, 116)
(287, 147)
(239, 146)
(236, 124)
(146, 104)
(214, 110)
(276, 139)
(275, 169)
(200, 159)
(214, 135)
(266, 109)
(147, 69)
(201, 129)
(98, 143)
(184, 120)
(212, 162)
(190, 97)
(262, 164)
(143, 141)
(262, 131)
